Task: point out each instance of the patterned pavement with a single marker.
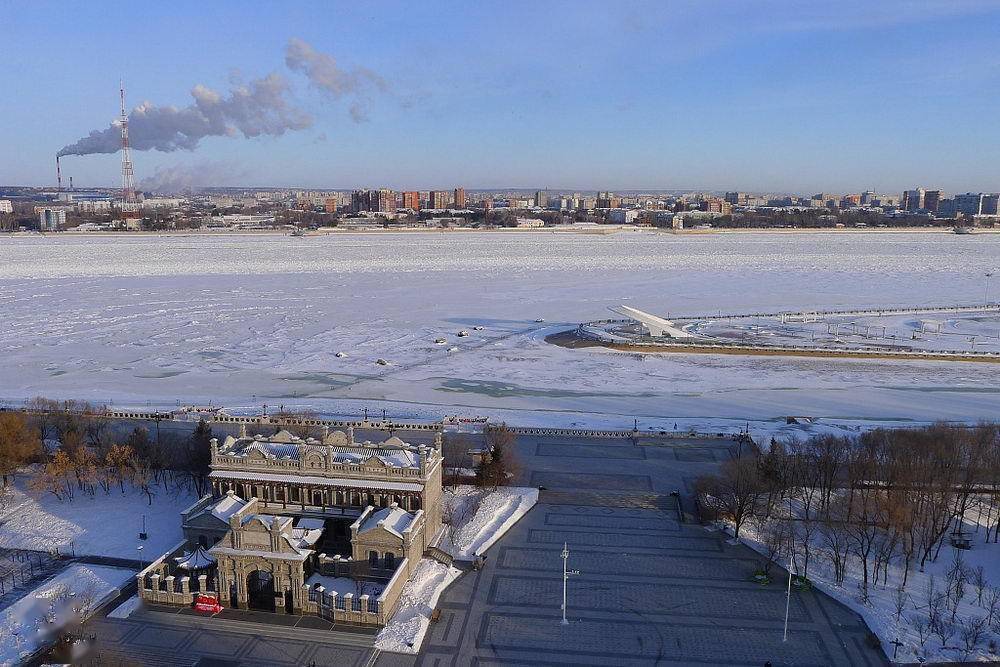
(652, 591)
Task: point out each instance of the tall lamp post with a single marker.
(138, 550)
(986, 292)
(566, 576)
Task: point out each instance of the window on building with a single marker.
(373, 559)
(389, 561)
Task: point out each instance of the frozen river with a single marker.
(245, 320)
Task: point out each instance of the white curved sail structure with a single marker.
(657, 326)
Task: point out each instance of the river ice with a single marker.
(242, 320)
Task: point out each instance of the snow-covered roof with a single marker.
(392, 519)
(227, 506)
(199, 559)
(393, 452)
(315, 481)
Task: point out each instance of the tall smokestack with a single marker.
(58, 176)
(70, 183)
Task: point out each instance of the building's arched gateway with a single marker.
(260, 590)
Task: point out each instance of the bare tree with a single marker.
(899, 601)
(972, 632)
(993, 605)
(979, 581)
(734, 493)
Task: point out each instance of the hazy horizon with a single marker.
(763, 96)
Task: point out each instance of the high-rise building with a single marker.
(459, 197)
(736, 198)
(913, 200)
(50, 220)
(438, 199)
(932, 199)
(487, 204)
(385, 201)
(378, 201)
(970, 203)
(608, 200)
(411, 200)
(541, 199)
(6, 206)
(991, 204)
(868, 197)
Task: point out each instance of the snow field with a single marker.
(35, 619)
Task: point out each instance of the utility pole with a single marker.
(566, 576)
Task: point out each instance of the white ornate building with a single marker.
(317, 525)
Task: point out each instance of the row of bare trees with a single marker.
(79, 450)
(867, 503)
(884, 496)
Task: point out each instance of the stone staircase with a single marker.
(440, 555)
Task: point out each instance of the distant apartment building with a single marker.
(459, 197)
(607, 200)
(541, 199)
(51, 220)
(6, 206)
(969, 204)
(411, 200)
(736, 198)
(715, 206)
(932, 200)
(991, 204)
(438, 199)
(623, 216)
(850, 201)
(377, 201)
(868, 198)
(913, 200)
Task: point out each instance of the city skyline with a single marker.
(761, 97)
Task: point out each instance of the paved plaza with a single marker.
(652, 590)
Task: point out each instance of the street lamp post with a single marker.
(986, 293)
(566, 576)
(788, 598)
(138, 550)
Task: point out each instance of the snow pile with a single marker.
(127, 608)
(344, 585)
(880, 611)
(36, 619)
(98, 525)
(405, 631)
(480, 518)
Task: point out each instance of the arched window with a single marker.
(373, 559)
(414, 503)
(389, 561)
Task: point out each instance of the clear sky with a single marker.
(796, 96)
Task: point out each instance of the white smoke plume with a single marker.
(323, 72)
(192, 177)
(258, 108)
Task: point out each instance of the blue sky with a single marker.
(790, 96)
